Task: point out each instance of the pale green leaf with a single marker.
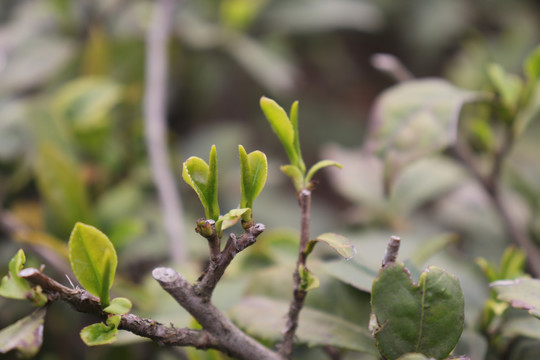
(202, 177)
(352, 273)
(522, 293)
(254, 171)
(230, 219)
(295, 174)
(278, 119)
(93, 260)
(12, 285)
(531, 66)
(509, 86)
(263, 318)
(320, 165)
(426, 317)
(119, 305)
(308, 281)
(101, 334)
(293, 116)
(25, 336)
(337, 242)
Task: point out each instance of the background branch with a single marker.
(155, 127)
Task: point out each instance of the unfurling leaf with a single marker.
(119, 305)
(202, 177)
(426, 318)
(308, 281)
(230, 219)
(93, 260)
(101, 334)
(320, 165)
(254, 170)
(13, 286)
(337, 242)
(295, 174)
(25, 336)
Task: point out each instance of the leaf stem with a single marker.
(299, 295)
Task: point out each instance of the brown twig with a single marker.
(155, 127)
(299, 295)
(392, 250)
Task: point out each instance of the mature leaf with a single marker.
(425, 318)
(295, 174)
(282, 126)
(101, 334)
(93, 260)
(308, 281)
(352, 273)
(25, 336)
(202, 177)
(337, 242)
(12, 285)
(522, 293)
(263, 318)
(119, 305)
(254, 170)
(509, 86)
(417, 117)
(321, 165)
(61, 185)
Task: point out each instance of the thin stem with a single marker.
(299, 295)
(155, 127)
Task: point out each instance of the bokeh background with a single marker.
(72, 141)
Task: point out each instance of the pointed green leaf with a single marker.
(12, 285)
(337, 242)
(93, 260)
(295, 174)
(321, 165)
(230, 219)
(509, 86)
(101, 334)
(202, 177)
(293, 115)
(25, 336)
(308, 281)
(522, 293)
(119, 305)
(254, 170)
(426, 318)
(278, 119)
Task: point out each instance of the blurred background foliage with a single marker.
(72, 149)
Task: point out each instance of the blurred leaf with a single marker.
(413, 356)
(119, 305)
(308, 280)
(25, 336)
(522, 293)
(531, 65)
(12, 285)
(15, 139)
(61, 185)
(352, 273)
(40, 238)
(339, 243)
(254, 170)
(86, 102)
(93, 260)
(431, 247)
(509, 86)
(321, 165)
(101, 334)
(425, 318)
(263, 318)
(417, 118)
(310, 16)
(296, 176)
(240, 14)
(282, 126)
(203, 179)
(521, 326)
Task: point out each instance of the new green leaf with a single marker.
(119, 305)
(12, 285)
(282, 126)
(293, 115)
(254, 170)
(320, 165)
(202, 177)
(231, 218)
(337, 242)
(25, 336)
(308, 281)
(93, 260)
(101, 334)
(295, 174)
(426, 317)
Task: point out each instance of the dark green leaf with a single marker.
(101, 334)
(93, 260)
(425, 318)
(25, 336)
(202, 177)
